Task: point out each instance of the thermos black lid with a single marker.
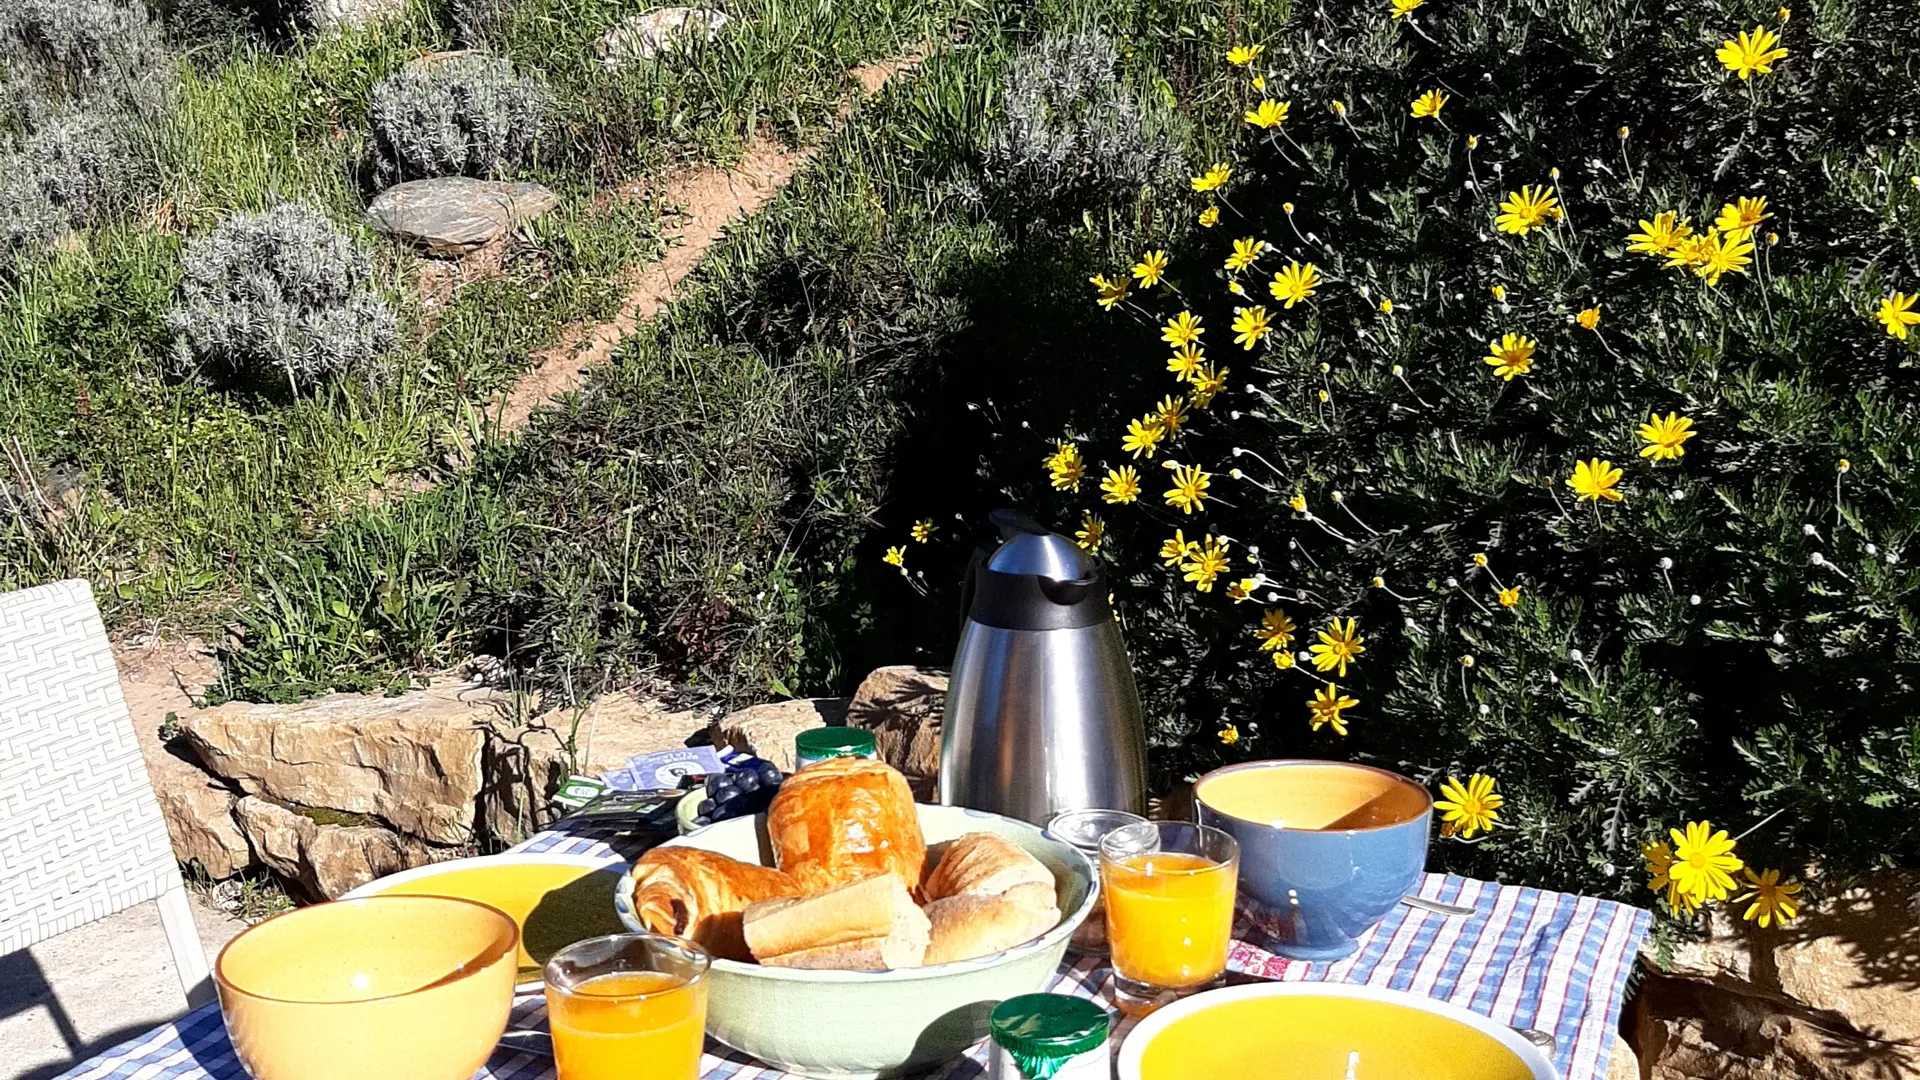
(1037, 580)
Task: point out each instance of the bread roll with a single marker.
(971, 925)
(843, 819)
(700, 895)
(870, 908)
(984, 864)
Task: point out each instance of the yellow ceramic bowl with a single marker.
(1325, 1030)
(556, 899)
(386, 988)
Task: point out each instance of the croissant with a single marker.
(699, 895)
(985, 864)
(844, 819)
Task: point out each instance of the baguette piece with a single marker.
(985, 864)
(971, 925)
(871, 908)
(866, 954)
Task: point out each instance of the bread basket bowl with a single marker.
(860, 1024)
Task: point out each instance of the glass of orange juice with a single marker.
(1169, 888)
(628, 1005)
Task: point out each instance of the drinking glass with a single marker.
(1084, 829)
(1169, 888)
(628, 1005)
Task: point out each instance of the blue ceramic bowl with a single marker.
(1327, 848)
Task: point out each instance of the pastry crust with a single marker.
(844, 819)
(971, 925)
(700, 895)
(984, 864)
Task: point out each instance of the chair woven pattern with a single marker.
(81, 836)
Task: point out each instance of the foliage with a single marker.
(459, 116)
(279, 294)
(58, 53)
(1074, 134)
(1734, 638)
(477, 23)
(71, 172)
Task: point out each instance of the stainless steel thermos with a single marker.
(1042, 715)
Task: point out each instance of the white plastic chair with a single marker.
(81, 836)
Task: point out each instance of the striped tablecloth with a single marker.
(1527, 957)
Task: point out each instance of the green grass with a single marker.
(192, 490)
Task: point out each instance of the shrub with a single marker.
(1074, 134)
(479, 23)
(57, 53)
(70, 173)
(461, 116)
(1727, 633)
(282, 295)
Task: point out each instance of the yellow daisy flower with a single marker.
(1703, 862)
(1428, 105)
(1298, 502)
(1179, 549)
(1742, 215)
(1526, 210)
(1206, 563)
(1588, 319)
(1143, 437)
(1091, 531)
(1325, 707)
(1209, 217)
(1245, 251)
(1242, 590)
(1172, 413)
(1772, 900)
(1268, 114)
(1242, 55)
(1066, 468)
(1663, 437)
(1186, 360)
(896, 556)
(1249, 326)
(1208, 380)
(1896, 314)
(1751, 53)
(922, 530)
(1182, 329)
(1149, 268)
(1275, 630)
(1594, 480)
(1213, 178)
(1404, 8)
(1189, 490)
(1229, 735)
(1724, 254)
(1110, 292)
(1660, 236)
(1510, 596)
(1338, 646)
(1295, 283)
(1122, 485)
(1511, 355)
(1471, 807)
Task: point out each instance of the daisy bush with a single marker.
(1524, 398)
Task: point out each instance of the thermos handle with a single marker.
(970, 584)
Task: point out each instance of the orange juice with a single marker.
(641, 1025)
(1169, 917)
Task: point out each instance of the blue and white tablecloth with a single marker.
(1528, 957)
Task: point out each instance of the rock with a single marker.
(414, 761)
(767, 731)
(525, 765)
(350, 14)
(1622, 1062)
(327, 860)
(902, 705)
(452, 215)
(197, 807)
(1857, 955)
(643, 37)
(1690, 1030)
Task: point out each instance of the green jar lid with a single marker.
(1042, 1031)
(831, 742)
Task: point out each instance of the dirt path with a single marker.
(709, 200)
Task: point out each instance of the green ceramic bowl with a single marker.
(859, 1024)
